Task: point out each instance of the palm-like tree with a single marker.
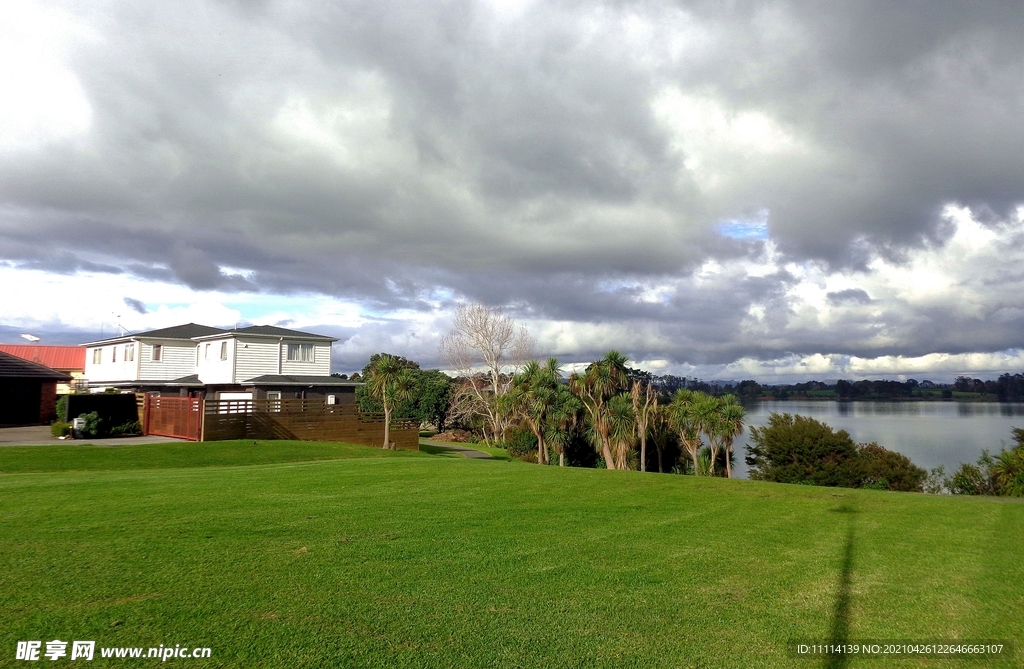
(729, 426)
(533, 395)
(645, 408)
(601, 381)
(1009, 472)
(621, 428)
(661, 431)
(707, 419)
(685, 418)
(391, 382)
(561, 421)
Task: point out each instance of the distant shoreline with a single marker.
(988, 399)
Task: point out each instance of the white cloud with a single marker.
(41, 98)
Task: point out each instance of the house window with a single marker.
(223, 350)
(129, 352)
(113, 354)
(97, 356)
(300, 352)
(206, 352)
(331, 399)
(158, 352)
(275, 400)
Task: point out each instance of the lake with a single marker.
(929, 433)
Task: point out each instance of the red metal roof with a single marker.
(64, 358)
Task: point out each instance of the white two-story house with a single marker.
(256, 362)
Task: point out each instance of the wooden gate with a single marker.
(180, 417)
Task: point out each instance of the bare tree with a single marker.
(486, 348)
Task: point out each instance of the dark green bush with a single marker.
(62, 409)
(93, 425)
(798, 449)
(887, 470)
(519, 442)
(129, 429)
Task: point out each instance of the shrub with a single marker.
(60, 428)
(62, 409)
(129, 429)
(886, 470)
(798, 449)
(519, 442)
(93, 425)
(1000, 475)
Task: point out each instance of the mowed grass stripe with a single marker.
(427, 561)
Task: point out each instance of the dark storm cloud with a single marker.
(849, 295)
(538, 158)
(136, 305)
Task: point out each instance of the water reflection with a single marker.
(929, 433)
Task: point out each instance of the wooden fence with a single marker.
(180, 417)
(306, 420)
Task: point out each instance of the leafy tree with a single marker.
(434, 390)
(799, 449)
(389, 379)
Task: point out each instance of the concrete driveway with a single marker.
(39, 435)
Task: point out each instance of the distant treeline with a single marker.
(1007, 388)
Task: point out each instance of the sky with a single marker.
(772, 190)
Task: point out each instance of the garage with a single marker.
(28, 391)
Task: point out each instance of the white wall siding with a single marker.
(108, 369)
(178, 359)
(211, 368)
(255, 357)
(321, 365)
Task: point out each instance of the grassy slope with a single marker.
(427, 561)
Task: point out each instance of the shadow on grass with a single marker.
(840, 631)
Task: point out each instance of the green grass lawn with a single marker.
(414, 560)
(170, 455)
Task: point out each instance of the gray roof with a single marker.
(186, 331)
(13, 367)
(299, 380)
(273, 331)
(190, 380)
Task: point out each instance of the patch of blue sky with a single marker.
(753, 228)
(273, 305)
